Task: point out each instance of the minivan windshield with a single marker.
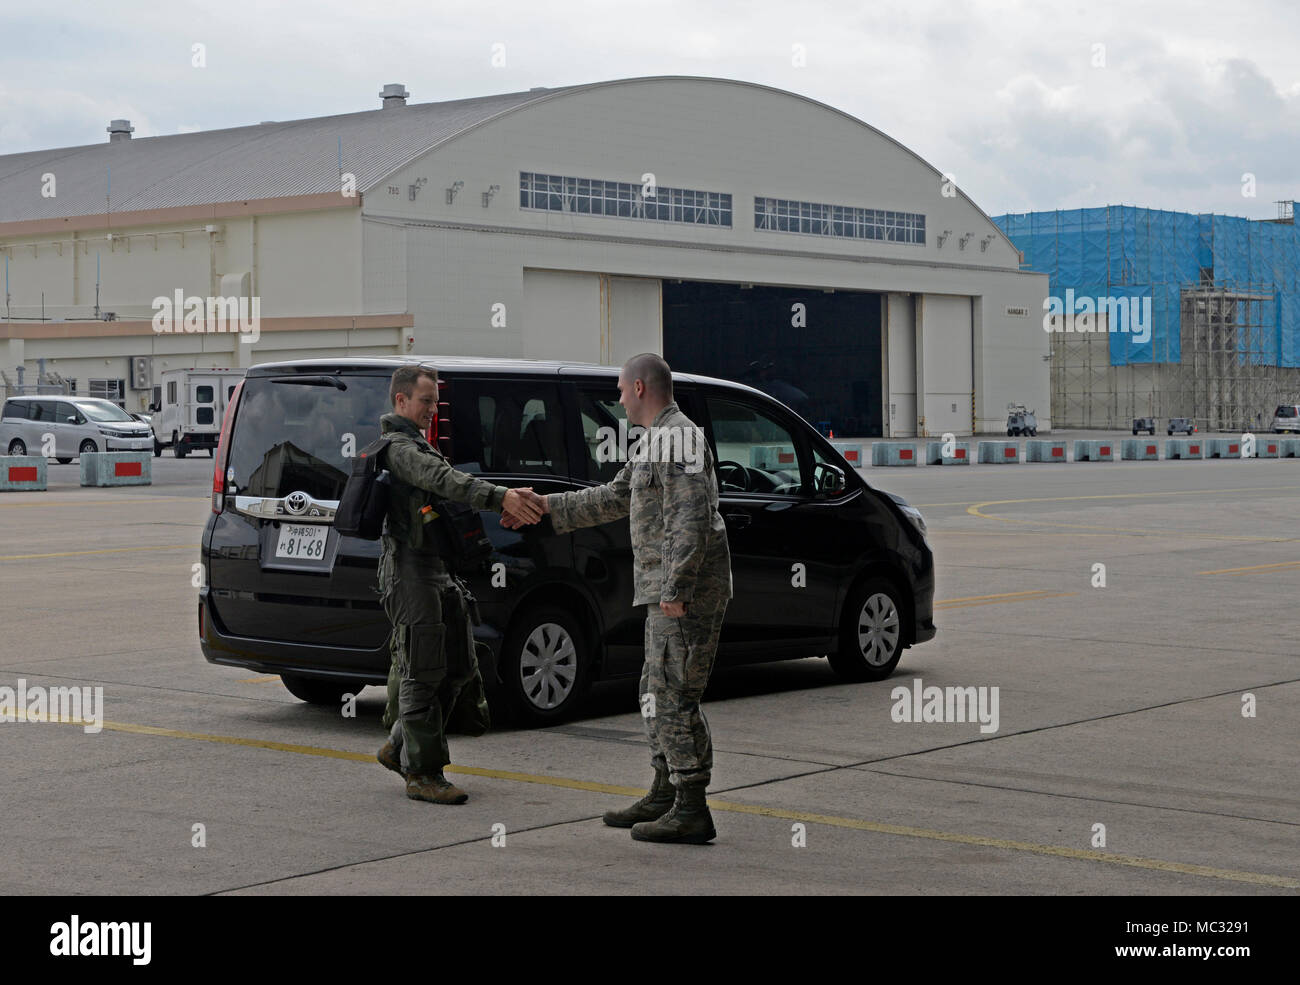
(102, 410)
(1286, 411)
(290, 437)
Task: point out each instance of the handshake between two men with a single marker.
(523, 507)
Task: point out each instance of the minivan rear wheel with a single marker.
(320, 690)
(16, 447)
(871, 637)
(545, 664)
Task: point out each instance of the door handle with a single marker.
(741, 520)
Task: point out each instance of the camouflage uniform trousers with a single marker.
(433, 680)
(679, 655)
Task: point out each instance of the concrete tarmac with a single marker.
(1120, 707)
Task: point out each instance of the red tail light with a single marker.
(440, 426)
(223, 452)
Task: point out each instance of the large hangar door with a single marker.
(944, 365)
(562, 315)
(587, 317)
(818, 353)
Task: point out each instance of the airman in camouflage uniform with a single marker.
(682, 568)
(432, 644)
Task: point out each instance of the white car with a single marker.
(75, 425)
(1287, 418)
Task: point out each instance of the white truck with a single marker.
(188, 406)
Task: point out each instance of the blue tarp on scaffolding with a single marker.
(1121, 251)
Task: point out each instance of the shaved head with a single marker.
(653, 371)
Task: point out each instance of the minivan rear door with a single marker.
(278, 569)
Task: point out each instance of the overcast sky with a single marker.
(1029, 105)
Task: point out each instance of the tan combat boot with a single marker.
(434, 788)
(653, 805)
(688, 823)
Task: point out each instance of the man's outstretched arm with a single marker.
(582, 507)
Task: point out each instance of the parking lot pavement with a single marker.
(1120, 702)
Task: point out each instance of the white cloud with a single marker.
(1000, 92)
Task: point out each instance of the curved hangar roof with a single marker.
(276, 160)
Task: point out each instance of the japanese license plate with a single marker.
(299, 540)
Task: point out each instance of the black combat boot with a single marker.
(688, 823)
(653, 805)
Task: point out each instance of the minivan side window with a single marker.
(602, 416)
(507, 427)
(13, 409)
(51, 411)
(756, 453)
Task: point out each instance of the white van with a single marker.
(189, 406)
(77, 425)
(1287, 418)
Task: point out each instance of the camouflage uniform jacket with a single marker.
(679, 541)
(420, 473)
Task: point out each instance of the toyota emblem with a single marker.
(296, 503)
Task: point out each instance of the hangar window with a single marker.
(784, 215)
(622, 199)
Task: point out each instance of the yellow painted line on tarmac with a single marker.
(854, 824)
(1030, 598)
(106, 550)
(1003, 595)
(1080, 854)
(976, 510)
(1250, 569)
(1066, 499)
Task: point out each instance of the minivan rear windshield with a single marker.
(290, 438)
(1286, 411)
(102, 410)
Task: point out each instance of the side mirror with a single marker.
(72, 419)
(829, 479)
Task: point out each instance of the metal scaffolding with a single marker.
(1222, 343)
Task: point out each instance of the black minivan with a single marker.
(822, 563)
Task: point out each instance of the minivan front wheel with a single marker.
(545, 663)
(88, 447)
(320, 690)
(871, 637)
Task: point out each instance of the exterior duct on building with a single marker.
(394, 95)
